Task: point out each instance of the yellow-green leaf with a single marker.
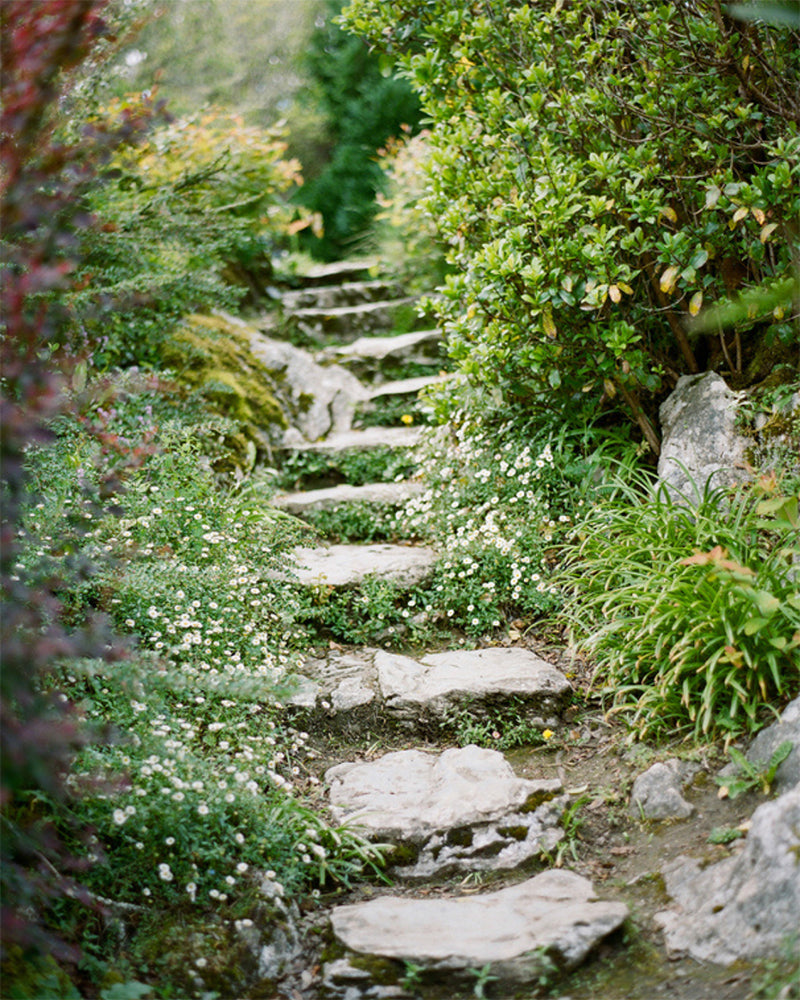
(670, 213)
(767, 603)
(667, 282)
(767, 231)
(759, 216)
(754, 625)
(740, 213)
(614, 293)
(696, 303)
(624, 288)
(548, 324)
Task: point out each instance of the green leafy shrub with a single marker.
(598, 174)
(405, 232)
(191, 218)
(313, 469)
(362, 107)
(691, 615)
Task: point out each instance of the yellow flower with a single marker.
(547, 734)
(407, 418)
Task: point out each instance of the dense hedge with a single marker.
(600, 172)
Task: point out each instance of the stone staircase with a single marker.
(453, 812)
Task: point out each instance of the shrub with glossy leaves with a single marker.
(600, 171)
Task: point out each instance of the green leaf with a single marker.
(754, 625)
(767, 603)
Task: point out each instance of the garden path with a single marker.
(466, 826)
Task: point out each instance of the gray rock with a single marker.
(553, 916)
(322, 399)
(700, 439)
(349, 565)
(746, 905)
(339, 271)
(461, 810)
(359, 440)
(768, 740)
(349, 293)
(433, 686)
(657, 793)
(272, 937)
(328, 499)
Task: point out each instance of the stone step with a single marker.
(406, 386)
(516, 934)
(326, 499)
(354, 690)
(358, 439)
(338, 272)
(350, 293)
(369, 354)
(347, 323)
(417, 801)
(350, 565)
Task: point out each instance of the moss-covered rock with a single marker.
(212, 355)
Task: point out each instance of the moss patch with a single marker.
(211, 356)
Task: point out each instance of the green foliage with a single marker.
(506, 727)
(192, 793)
(315, 469)
(363, 107)
(191, 219)
(724, 835)
(355, 522)
(752, 776)
(406, 235)
(691, 615)
(599, 173)
(498, 501)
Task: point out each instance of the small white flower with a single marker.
(119, 816)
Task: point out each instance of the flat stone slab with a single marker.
(359, 440)
(407, 386)
(350, 322)
(516, 932)
(338, 271)
(348, 565)
(370, 687)
(372, 493)
(461, 810)
(429, 688)
(383, 348)
(346, 294)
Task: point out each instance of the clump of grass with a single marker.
(691, 614)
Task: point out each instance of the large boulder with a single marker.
(701, 443)
(320, 400)
(747, 905)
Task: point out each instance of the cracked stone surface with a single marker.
(349, 565)
(432, 686)
(460, 810)
(418, 693)
(323, 398)
(555, 914)
(379, 349)
(745, 905)
(327, 499)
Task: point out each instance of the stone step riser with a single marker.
(347, 323)
(351, 293)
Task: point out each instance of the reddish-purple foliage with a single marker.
(42, 184)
